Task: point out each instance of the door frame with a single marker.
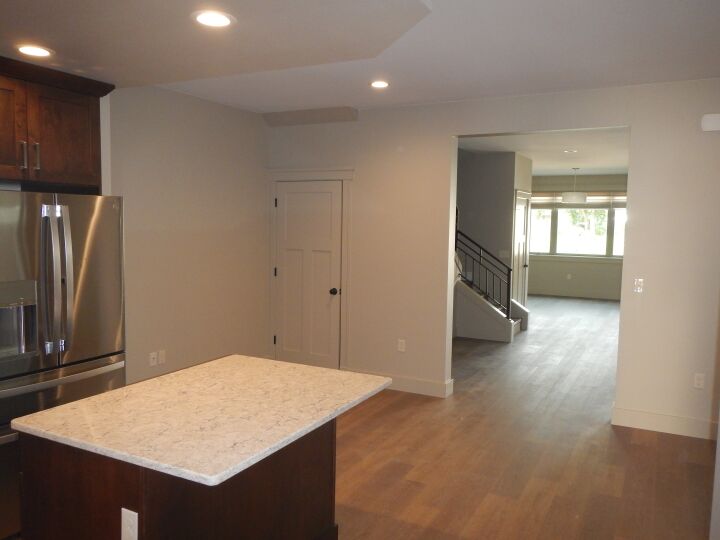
(345, 176)
(521, 194)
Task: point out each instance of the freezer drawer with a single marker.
(31, 393)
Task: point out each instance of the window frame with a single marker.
(610, 234)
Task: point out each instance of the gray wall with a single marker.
(485, 199)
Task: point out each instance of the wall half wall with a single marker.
(576, 277)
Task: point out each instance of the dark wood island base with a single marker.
(68, 493)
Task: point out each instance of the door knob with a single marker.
(333, 291)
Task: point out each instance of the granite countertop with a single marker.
(208, 422)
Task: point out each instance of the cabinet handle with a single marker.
(24, 165)
(37, 155)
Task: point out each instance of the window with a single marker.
(541, 229)
(595, 229)
(582, 231)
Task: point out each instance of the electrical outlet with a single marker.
(638, 285)
(699, 381)
(401, 345)
(161, 357)
(153, 358)
(568, 277)
(128, 524)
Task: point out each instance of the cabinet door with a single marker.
(64, 133)
(13, 129)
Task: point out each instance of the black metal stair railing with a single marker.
(484, 272)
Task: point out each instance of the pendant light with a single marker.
(574, 196)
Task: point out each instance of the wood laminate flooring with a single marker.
(523, 449)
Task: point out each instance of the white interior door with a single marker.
(520, 249)
(309, 243)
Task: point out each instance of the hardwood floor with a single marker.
(523, 449)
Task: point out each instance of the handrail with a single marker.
(481, 253)
(479, 262)
(472, 242)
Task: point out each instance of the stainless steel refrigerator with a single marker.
(62, 334)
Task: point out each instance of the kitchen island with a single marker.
(238, 447)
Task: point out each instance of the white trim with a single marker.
(591, 259)
(272, 192)
(345, 272)
(310, 175)
(302, 175)
(426, 387)
(665, 423)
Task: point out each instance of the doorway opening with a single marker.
(543, 214)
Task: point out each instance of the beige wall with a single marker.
(403, 208)
(577, 277)
(196, 228)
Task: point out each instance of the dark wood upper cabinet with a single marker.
(64, 136)
(49, 127)
(13, 129)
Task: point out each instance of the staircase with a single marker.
(484, 308)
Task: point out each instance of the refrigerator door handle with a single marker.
(69, 278)
(50, 214)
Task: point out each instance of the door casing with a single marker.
(344, 175)
(520, 271)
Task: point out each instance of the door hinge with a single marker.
(274, 340)
(275, 202)
(275, 271)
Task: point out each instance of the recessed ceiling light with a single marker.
(216, 19)
(379, 84)
(570, 151)
(34, 50)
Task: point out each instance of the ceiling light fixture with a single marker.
(574, 196)
(570, 151)
(216, 19)
(34, 50)
(379, 84)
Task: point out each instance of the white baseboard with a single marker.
(412, 385)
(665, 423)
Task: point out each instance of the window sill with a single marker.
(602, 259)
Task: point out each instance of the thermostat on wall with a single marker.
(710, 122)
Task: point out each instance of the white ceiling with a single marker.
(290, 54)
(599, 151)
(141, 42)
